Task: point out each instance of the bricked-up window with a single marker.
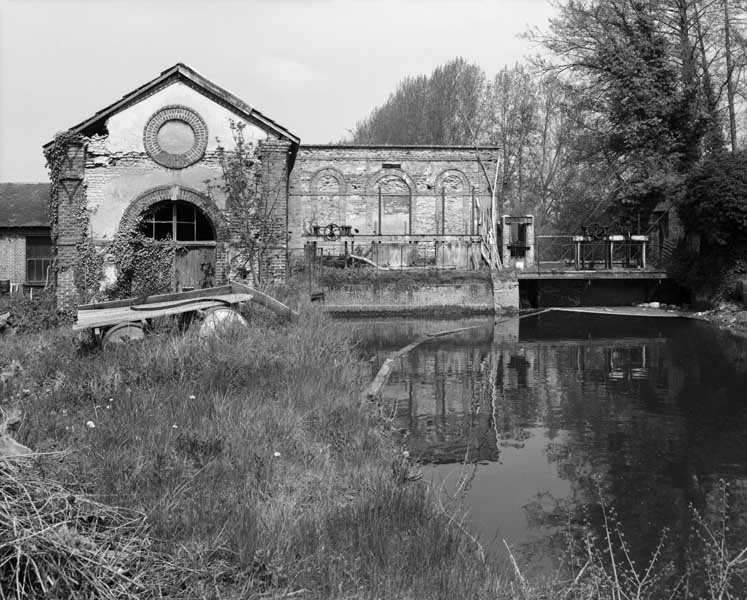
(179, 221)
(39, 257)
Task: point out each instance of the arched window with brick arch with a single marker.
(454, 211)
(327, 204)
(392, 191)
(193, 222)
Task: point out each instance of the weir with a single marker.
(596, 268)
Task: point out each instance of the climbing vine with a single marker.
(56, 157)
(144, 265)
(87, 265)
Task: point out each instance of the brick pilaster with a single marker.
(275, 156)
(70, 200)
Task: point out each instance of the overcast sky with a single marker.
(314, 66)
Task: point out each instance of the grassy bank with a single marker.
(246, 466)
(249, 456)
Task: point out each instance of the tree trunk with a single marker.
(729, 77)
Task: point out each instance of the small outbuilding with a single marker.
(26, 249)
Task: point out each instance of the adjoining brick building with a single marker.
(143, 163)
(26, 250)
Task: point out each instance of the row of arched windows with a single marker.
(389, 203)
(331, 181)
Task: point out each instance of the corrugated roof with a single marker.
(24, 205)
(185, 73)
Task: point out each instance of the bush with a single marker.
(35, 314)
(713, 209)
(714, 205)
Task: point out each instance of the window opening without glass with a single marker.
(178, 221)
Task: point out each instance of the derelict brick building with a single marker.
(143, 162)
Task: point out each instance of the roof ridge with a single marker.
(207, 87)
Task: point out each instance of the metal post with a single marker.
(380, 229)
(472, 214)
(443, 211)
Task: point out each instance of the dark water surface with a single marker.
(526, 425)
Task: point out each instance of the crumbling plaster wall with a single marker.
(338, 184)
(118, 169)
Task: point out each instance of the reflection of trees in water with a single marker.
(650, 426)
(651, 423)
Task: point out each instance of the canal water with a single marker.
(526, 426)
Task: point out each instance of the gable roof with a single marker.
(24, 205)
(187, 75)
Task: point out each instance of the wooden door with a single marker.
(194, 267)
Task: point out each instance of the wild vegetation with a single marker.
(606, 123)
(246, 465)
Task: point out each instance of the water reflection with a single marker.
(554, 410)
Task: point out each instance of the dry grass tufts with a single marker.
(55, 544)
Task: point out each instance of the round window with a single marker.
(175, 137)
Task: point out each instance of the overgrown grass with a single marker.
(257, 466)
(245, 465)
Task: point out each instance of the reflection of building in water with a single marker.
(436, 397)
(458, 399)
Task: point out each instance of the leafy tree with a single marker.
(631, 65)
(714, 204)
(249, 207)
(442, 108)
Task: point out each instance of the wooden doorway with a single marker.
(194, 268)
(194, 234)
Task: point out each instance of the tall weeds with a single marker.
(251, 456)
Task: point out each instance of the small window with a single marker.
(179, 221)
(39, 257)
(391, 166)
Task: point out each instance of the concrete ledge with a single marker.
(440, 310)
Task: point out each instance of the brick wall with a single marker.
(275, 156)
(71, 197)
(425, 191)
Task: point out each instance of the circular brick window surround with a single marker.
(175, 137)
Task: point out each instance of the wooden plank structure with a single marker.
(103, 315)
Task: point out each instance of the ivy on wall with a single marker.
(87, 263)
(56, 157)
(144, 265)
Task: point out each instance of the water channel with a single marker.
(525, 425)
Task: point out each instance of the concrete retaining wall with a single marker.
(373, 298)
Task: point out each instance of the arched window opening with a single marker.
(395, 206)
(178, 221)
(455, 213)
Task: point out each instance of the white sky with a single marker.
(314, 66)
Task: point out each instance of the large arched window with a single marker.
(178, 221)
(455, 214)
(394, 201)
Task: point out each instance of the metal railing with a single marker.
(554, 251)
(464, 254)
(586, 253)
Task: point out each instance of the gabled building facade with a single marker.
(145, 163)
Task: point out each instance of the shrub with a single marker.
(714, 205)
(35, 314)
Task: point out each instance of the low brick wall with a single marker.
(377, 298)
